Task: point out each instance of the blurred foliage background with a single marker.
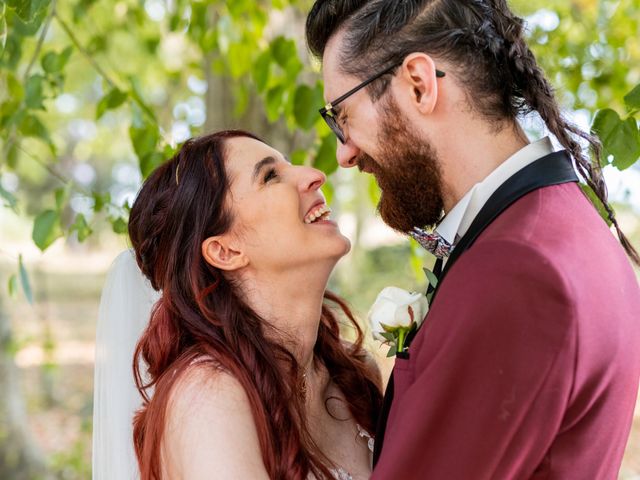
(95, 93)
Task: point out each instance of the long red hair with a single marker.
(201, 314)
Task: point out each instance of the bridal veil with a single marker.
(125, 306)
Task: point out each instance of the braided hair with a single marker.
(483, 41)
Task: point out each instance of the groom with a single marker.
(527, 365)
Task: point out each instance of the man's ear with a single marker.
(221, 253)
(419, 75)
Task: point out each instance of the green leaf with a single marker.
(274, 102)
(80, 9)
(325, 159)
(387, 336)
(619, 138)
(31, 126)
(110, 101)
(144, 136)
(100, 200)
(626, 144)
(61, 197)
(97, 44)
(431, 277)
(46, 229)
(306, 103)
(150, 162)
(294, 67)
(239, 59)
(299, 157)
(9, 200)
(632, 99)
(11, 113)
(604, 125)
(81, 227)
(283, 50)
(12, 286)
(12, 53)
(141, 105)
(3, 29)
(14, 87)
(392, 351)
(285, 54)
(33, 92)
(430, 296)
(593, 198)
(374, 191)
(29, 10)
(24, 281)
(329, 192)
(12, 155)
(53, 62)
(261, 70)
(241, 96)
(119, 225)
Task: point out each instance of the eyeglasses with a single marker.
(331, 116)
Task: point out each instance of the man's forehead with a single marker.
(331, 72)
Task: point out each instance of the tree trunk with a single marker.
(20, 459)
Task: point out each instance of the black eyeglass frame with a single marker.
(329, 114)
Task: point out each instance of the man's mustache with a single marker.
(365, 163)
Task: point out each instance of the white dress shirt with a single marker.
(456, 223)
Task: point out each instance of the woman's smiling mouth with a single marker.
(318, 213)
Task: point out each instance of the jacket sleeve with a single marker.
(490, 374)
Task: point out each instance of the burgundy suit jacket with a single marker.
(527, 365)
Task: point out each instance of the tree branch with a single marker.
(44, 165)
(43, 34)
(84, 52)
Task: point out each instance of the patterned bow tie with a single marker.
(432, 242)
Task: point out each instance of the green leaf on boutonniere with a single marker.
(392, 351)
(388, 336)
(430, 296)
(431, 277)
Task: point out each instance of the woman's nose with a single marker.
(311, 179)
(347, 154)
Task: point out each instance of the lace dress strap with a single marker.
(367, 436)
(341, 473)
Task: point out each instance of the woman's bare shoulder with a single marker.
(210, 425)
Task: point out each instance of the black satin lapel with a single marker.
(382, 420)
(552, 169)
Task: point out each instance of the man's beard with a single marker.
(407, 172)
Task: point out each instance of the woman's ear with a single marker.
(221, 253)
(419, 75)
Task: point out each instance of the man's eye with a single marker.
(270, 175)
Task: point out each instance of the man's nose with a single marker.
(347, 153)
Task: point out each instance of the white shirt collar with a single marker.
(456, 223)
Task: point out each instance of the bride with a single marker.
(242, 366)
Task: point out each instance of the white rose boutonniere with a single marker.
(394, 314)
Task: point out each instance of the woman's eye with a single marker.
(270, 175)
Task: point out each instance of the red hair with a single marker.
(201, 314)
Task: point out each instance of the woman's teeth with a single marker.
(322, 211)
